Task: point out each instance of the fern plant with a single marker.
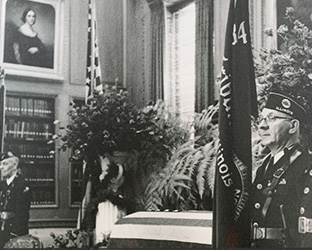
(187, 180)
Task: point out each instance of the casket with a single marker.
(163, 230)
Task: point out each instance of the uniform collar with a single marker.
(278, 156)
(9, 180)
(281, 153)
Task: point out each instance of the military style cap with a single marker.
(6, 155)
(286, 104)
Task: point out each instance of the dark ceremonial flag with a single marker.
(236, 105)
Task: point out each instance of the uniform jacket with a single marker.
(15, 198)
(286, 193)
(305, 208)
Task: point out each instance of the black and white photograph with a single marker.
(156, 124)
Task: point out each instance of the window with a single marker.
(179, 84)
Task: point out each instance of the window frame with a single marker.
(170, 91)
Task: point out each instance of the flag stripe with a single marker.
(117, 243)
(163, 232)
(171, 222)
(196, 215)
(93, 69)
(190, 227)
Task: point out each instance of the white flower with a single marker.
(102, 176)
(54, 137)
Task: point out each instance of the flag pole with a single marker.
(92, 46)
(3, 103)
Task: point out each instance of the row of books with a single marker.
(39, 180)
(42, 203)
(31, 152)
(28, 130)
(44, 195)
(29, 106)
(38, 173)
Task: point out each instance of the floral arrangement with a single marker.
(109, 124)
(71, 239)
(288, 68)
(113, 123)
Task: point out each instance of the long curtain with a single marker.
(204, 92)
(204, 55)
(157, 44)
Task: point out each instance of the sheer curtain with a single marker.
(204, 55)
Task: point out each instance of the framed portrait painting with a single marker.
(31, 34)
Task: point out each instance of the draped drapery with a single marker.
(157, 46)
(204, 92)
(204, 55)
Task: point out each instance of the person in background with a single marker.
(279, 180)
(112, 199)
(28, 48)
(15, 198)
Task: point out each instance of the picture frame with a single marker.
(32, 48)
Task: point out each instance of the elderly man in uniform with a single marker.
(278, 182)
(15, 200)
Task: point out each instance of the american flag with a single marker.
(93, 74)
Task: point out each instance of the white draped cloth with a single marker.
(107, 215)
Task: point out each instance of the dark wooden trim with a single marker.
(174, 6)
(155, 3)
(52, 223)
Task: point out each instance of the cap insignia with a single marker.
(286, 103)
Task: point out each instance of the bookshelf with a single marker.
(28, 128)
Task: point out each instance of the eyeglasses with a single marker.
(270, 118)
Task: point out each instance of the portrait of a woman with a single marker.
(29, 34)
(28, 48)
